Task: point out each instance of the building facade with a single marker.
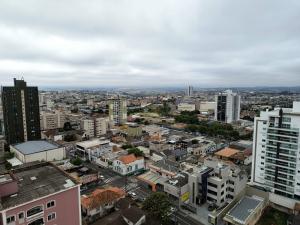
(21, 112)
(52, 120)
(276, 163)
(118, 111)
(94, 127)
(227, 107)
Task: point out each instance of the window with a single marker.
(51, 204)
(35, 210)
(37, 222)
(10, 219)
(51, 216)
(21, 215)
(212, 185)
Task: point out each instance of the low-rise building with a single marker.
(40, 150)
(100, 202)
(128, 164)
(39, 193)
(93, 149)
(246, 212)
(186, 107)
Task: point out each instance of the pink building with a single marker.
(39, 194)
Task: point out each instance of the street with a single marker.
(114, 179)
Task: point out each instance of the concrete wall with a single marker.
(50, 155)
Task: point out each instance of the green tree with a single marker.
(77, 161)
(8, 165)
(137, 152)
(126, 146)
(195, 141)
(164, 110)
(67, 126)
(158, 206)
(9, 155)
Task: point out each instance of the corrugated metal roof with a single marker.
(31, 147)
(244, 208)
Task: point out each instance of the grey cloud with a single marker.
(144, 43)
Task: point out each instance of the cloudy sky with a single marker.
(95, 43)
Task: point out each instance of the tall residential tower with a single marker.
(276, 156)
(228, 107)
(118, 111)
(21, 112)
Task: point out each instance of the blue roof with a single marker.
(31, 147)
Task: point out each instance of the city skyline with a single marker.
(139, 43)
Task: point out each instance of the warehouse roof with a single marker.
(31, 147)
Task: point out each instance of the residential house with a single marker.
(128, 164)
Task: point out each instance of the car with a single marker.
(133, 195)
(172, 210)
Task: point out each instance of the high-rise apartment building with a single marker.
(21, 112)
(227, 107)
(190, 91)
(276, 156)
(52, 120)
(94, 127)
(118, 111)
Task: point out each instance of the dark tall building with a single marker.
(21, 112)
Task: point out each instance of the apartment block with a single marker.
(21, 112)
(227, 107)
(52, 120)
(276, 163)
(94, 127)
(118, 111)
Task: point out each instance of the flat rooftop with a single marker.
(36, 180)
(244, 208)
(31, 147)
(92, 143)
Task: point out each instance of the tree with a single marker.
(126, 146)
(9, 155)
(164, 110)
(67, 126)
(195, 141)
(8, 166)
(77, 161)
(137, 152)
(158, 206)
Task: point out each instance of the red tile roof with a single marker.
(102, 196)
(126, 159)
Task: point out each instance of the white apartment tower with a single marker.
(228, 107)
(276, 156)
(118, 111)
